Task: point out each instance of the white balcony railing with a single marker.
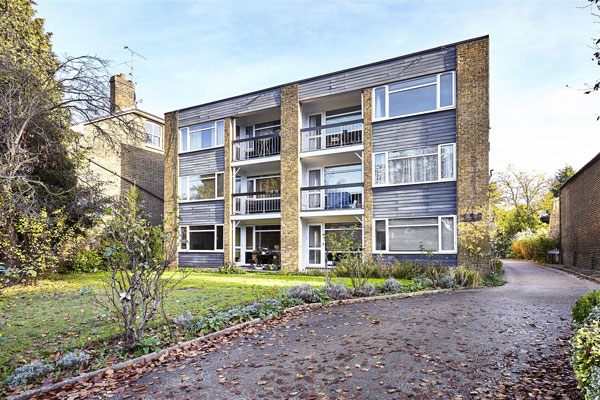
(257, 202)
(335, 197)
(324, 137)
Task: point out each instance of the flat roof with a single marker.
(336, 72)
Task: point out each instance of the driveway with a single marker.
(464, 344)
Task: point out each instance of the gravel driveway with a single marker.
(454, 345)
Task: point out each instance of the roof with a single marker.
(133, 110)
(582, 170)
(337, 72)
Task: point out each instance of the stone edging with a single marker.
(577, 274)
(157, 354)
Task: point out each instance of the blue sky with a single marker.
(540, 56)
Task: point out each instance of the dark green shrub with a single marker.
(584, 305)
(84, 260)
(407, 270)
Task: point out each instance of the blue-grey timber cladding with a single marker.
(415, 200)
(381, 73)
(202, 162)
(192, 259)
(202, 212)
(410, 132)
(230, 107)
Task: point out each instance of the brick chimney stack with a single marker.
(122, 93)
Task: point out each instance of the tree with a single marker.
(137, 255)
(560, 177)
(41, 96)
(595, 4)
(524, 189)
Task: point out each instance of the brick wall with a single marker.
(171, 178)
(472, 141)
(291, 247)
(227, 235)
(580, 218)
(368, 172)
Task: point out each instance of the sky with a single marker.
(200, 51)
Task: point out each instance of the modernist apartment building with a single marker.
(394, 153)
(134, 153)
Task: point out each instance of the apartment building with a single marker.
(132, 155)
(393, 153)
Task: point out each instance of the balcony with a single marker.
(346, 196)
(256, 203)
(256, 147)
(338, 135)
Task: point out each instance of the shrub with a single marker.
(304, 292)
(493, 279)
(366, 289)
(533, 245)
(336, 291)
(585, 347)
(230, 269)
(391, 285)
(584, 305)
(84, 260)
(440, 276)
(467, 277)
(407, 270)
(29, 372)
(73, 360)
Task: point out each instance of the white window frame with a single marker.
(321, 248)
(214, 137)
(439, 224)
(438, 106)
(187, 239)
(439, 154)
(160, 136)
(187, 182)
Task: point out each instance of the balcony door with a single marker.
(315, 246)
(314, 196)
(314, 137)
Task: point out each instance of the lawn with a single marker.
(61, 314)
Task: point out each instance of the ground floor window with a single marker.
(261, 244)
(423, 234)
(201, 238)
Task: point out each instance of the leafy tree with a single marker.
(560, 177)
(41, 96)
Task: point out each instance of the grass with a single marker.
(60, 313)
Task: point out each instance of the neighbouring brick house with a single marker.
(394, 153)
(580, 217)
(134, 155)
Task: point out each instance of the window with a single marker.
(341, 235)
(430, 93)
(153, 135)
(419, 165)
(341, 174)
(410, 235)
(202, 136)
(201, 187)
(201, 238)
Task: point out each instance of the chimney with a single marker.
(122, 93)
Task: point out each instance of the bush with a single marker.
(29, 372)
(467, 277)
(407, 270)
(231, 269)
(84, 260)
(365, 289)
(533, 245)
(391, 285)
(73, 360)
(336, 291)
(584, 305)
(304, 292)
(585, 347)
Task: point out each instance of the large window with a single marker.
(430, 93)
(202, 136)
(153, 135)
(266, 128)
(419, 165)
(201, 238)
(413, 235)
(201, 187)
